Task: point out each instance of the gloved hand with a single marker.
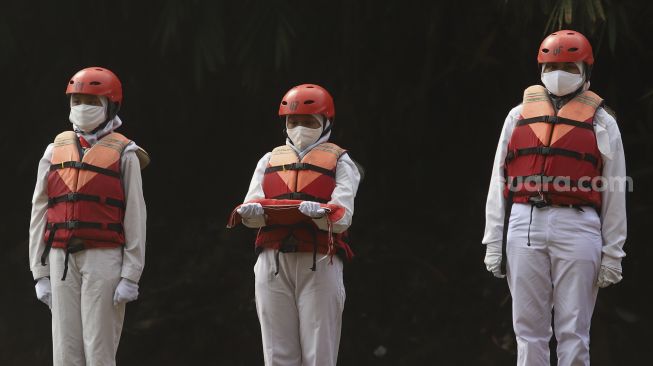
(44, 291)
(250, 210)
(311, 209)
(126, 291)
(610, 272)
(493, 259)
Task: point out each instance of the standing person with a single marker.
(299, 295)
(87, 230)
(556, 205)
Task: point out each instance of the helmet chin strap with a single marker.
(326, 129)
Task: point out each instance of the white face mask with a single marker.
(87, 117)
(303, 137)
(561, 83)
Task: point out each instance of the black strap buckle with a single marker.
(545, 150)
(289, 245)
(538, 201)
(70, 225)
(75, 245)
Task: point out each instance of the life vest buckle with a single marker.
(75, 245)
(71, 225)
(538, 201)
(289, 245)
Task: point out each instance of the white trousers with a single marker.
(558, 271)
(300, 311)
(86, 326)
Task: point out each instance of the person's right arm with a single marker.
(39, 217)
(496, 203)
(256, 191)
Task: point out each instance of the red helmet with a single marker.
(96, 81)
(307, 99)
(565, 46)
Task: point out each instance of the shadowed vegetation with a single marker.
(421, 90)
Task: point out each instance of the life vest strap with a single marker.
(301, 166)
(74, 224)
(554, 120)
(85, 166)
(546, 150)
(75, 196)
(300, 196)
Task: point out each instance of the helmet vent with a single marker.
(310, 87)
(554, 34)
(573, 49)
(570, 34)
(545, 50)
(284, 103)
(71, 82)
(95, 83)
(309, 101)
(99, 69)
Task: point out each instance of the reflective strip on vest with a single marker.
(555, 146)
(86, 187)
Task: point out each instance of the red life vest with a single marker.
(311, 179)
(552, 157)
(86, 203)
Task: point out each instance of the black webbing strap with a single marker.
(276, 262)
(54, 226)
(73, 246)
(546, 150)
(85, 166)
(300, 196)
(75, 196)
(555, 120)
(314, 232)
(301, 166)
(48, 246)
(289, 244)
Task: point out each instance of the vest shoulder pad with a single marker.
(283, 149)
(331, 148)
(65, 138)
(535, 93)
(143, 158)
(590, 98)
(114, 141)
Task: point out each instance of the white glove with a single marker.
(311, 209)
(126, 291)
(250, 210)
(608, 275)
(44, 291)
(493, 259)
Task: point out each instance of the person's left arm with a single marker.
(613, 199)
(135, 218)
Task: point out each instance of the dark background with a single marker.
(421, 90)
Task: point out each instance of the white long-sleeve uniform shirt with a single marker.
(613, 203)
(347, 180)
(134, 222)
